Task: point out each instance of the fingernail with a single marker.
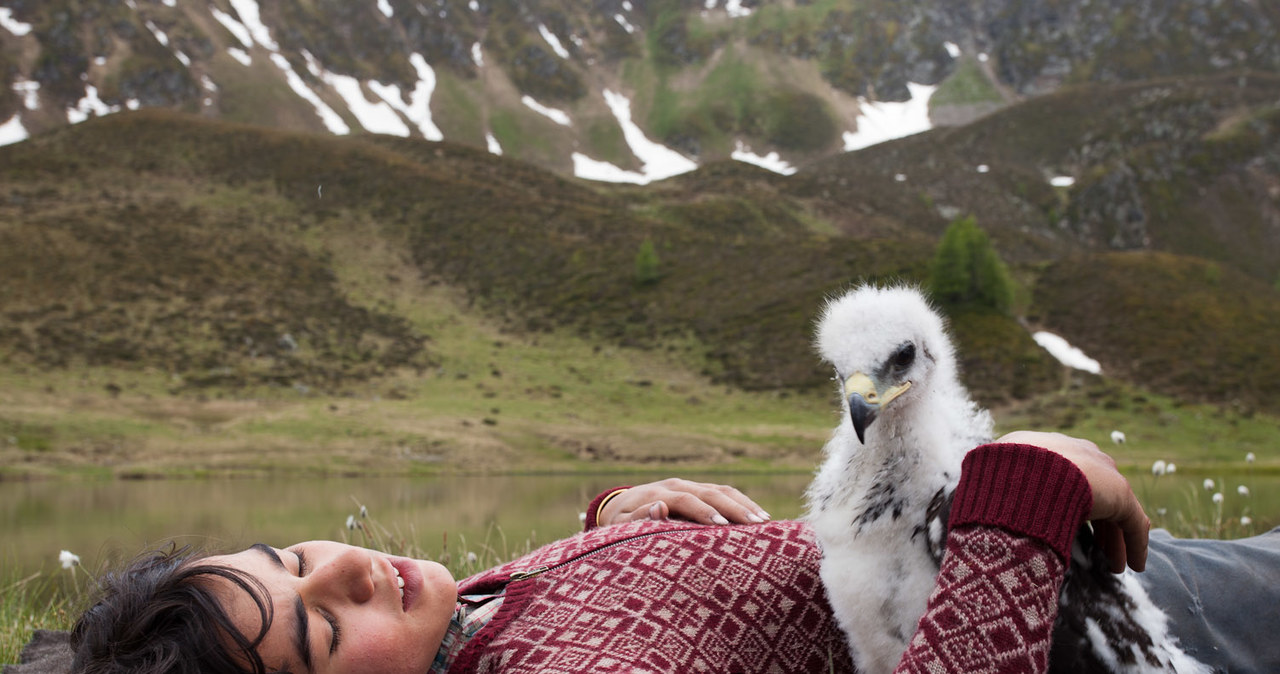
(752, 517)
(655, 513)
(765, 515)
(719, 519)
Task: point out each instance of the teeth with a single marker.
(400, 582)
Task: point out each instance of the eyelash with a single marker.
(333, 623)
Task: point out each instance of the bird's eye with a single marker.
(904, 356)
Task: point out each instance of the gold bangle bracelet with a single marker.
(600, 508)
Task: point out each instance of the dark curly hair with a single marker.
(159, 615)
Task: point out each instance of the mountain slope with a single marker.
(150, 240)
(707, 79)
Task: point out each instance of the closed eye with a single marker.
(335, 629)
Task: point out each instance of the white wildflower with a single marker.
(68, 559)
(472, 558)
(1159, 467)
(1245, 520)
(1162, 511)
(1208, 483)
(1250, 457)
(1218, 497)
(1171, 468)
(364, 512)
(351, 521)
(1242, 490)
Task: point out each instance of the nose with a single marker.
(347, 575)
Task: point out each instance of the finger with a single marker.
(656, 511)
(695, 509)
(1136, 538)
(733, 504)
(1111, 539)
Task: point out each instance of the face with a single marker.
(340, 609)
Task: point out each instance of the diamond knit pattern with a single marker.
(992, 609)
(690, 599)
(673, 598)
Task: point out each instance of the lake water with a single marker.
(507, 514)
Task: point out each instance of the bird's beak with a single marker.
(866, 401)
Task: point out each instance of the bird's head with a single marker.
(887, 345)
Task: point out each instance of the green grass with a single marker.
(45, 600)
(967, 85)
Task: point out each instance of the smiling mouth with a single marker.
(408, 580)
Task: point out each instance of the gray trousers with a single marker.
(1222, 598)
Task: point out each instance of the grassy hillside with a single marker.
(181, 282)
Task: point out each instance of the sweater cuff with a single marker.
(597, 503)
(1024, 489)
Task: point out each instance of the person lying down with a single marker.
(680, 576)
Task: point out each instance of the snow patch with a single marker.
(494, 147)
(554, 41)
(733, 7)
(477, 55)
(234, 27)
(658, 161)
(252, 20)
(385, 8)
(12, 131)
(772, 161)
(331, 120)
(603, 171)
(163, 39)
(622, 21)
(89, 105)
(13, 25)
(418, 110)
(30, 92)
(1065, 353)
(952, 48)
(240, 55)
(158, 34)
(558, 116)
(374, 117)
(879, 122)
(1062, 181)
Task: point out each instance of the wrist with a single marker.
(595, 510)
(1024, 489)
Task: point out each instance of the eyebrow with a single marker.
(299, 609)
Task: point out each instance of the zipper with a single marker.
(539, 570)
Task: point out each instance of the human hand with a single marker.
(682, 499)
(1119, 523)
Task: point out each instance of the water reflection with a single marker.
(113, 520)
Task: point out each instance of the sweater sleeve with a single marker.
(593, 508)
(1013, 519)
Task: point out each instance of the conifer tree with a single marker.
(967, 271)
(647, 272)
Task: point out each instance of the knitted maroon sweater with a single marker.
(680, 597)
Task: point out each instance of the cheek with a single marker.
(390, 650)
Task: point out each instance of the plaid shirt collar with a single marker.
(472, 613)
